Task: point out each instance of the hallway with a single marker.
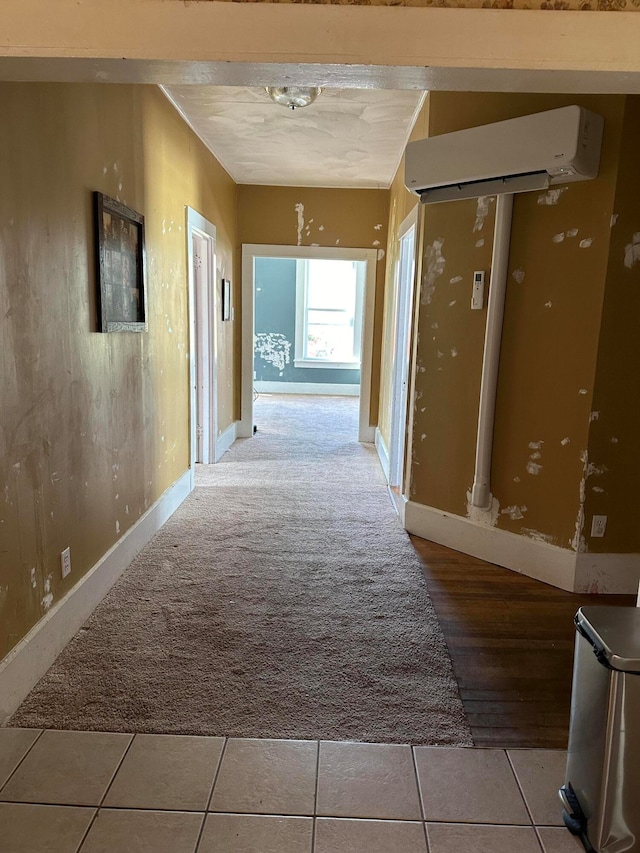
(282, 600)
(96, 787)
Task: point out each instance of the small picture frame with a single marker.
(120, 266)
(226, 299)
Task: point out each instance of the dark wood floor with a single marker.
(511, 641)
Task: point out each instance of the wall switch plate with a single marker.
(598, 526)
(65, 562)
(477, 294)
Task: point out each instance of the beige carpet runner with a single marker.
(283, 599)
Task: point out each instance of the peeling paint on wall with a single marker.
(539, 537)
(632, 251)
(558, 238)
(299, 209)
(480, 243)
(572, 232)
(552, 196)
(585, 244)
(565, 441)
(434, 267)
(482, 211)
(274, 348)
(518, 275)
(514, 512)
(594, 416)
(578, 543)
(453, 280)
(533, 467)
(47, 601)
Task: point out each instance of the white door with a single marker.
(401, 355)
(204, 362)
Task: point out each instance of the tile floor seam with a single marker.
(420, 803)
(115, 772)
(97, 809)
(315, 801)
(128, 808)
(87, 831)
(542, 847)
(15, 769)
(520, 788)
(483, 823)
(213, 785)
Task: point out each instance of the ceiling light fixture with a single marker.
(293, 97)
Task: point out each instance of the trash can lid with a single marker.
(614, 632)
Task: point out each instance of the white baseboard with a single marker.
(331, 388)
(22, 668)
(225, 440)
(530, 557)
(608, 573)
(560, 567)
(383, 453)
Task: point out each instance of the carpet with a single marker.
(283, 600)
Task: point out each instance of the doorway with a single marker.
(403, 307)
(203, 309)
(308, 316)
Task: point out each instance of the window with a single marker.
(329, 297)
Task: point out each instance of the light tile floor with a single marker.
(91, 792)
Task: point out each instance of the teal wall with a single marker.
(275, 317)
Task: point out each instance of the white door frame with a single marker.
(251, 251)
(203, 313)
(402, 312)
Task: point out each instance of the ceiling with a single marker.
(347, 138)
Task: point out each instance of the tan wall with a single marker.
(612, 470)
(550, 341)
(330, 217)
(94, 426)
(401, 203)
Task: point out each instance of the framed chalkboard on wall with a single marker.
(120, 266)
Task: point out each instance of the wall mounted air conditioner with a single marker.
(520, 154)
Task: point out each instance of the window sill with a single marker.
(326, 365)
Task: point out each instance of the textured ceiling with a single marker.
(347, 138)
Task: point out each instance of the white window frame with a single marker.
(302, 291)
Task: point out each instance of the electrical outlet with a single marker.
(598, 526)
(65, 562)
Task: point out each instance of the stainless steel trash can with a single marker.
(601, 794)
